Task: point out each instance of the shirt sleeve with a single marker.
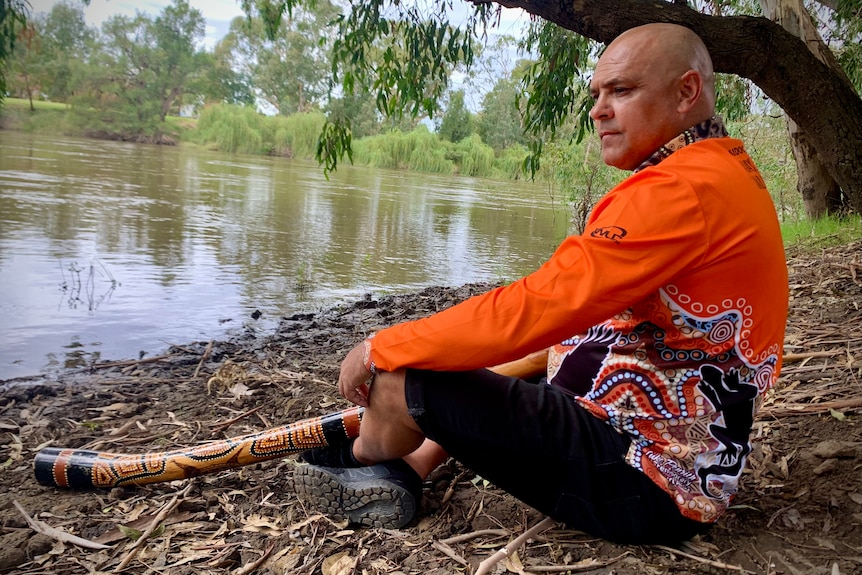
(640, 235)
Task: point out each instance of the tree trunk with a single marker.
(821, 102)
(29, 90)
(820, 192)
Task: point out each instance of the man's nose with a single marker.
(600, 109)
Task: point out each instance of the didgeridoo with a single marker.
(86, 469)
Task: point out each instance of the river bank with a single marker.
(799, 509)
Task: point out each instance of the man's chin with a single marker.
(616, 161)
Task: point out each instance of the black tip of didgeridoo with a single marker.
(70, 468)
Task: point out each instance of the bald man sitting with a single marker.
(663, 325)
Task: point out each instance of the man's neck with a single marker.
(710, 128)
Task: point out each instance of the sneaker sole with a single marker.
(373, 502)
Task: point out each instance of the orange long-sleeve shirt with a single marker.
(670, 307)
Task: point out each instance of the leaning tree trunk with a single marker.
(820, 192)
(819, 101)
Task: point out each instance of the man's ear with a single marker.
(690, 90)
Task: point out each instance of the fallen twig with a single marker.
(245, 569)
(450, 491)
(704, 560)
(583, 565)
(54, 533)
(204, 357)
(448, 552)
(164, 512)
(788, 409)
(486, 565)
(214, 429)
(474, 534)
(791, 357)
(130, 362)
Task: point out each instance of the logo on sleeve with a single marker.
(613, 233)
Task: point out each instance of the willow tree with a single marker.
(812, 93)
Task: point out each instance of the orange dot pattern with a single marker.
(84, 469)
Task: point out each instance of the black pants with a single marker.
(538, 444)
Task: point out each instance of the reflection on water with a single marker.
(112, 250)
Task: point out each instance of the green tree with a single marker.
(66, 43)
(13, 19)
(809, 91)
(218, 81)
(174, 57)
(358, 111)
(289, 70)
(499, 120)
(143, 71)
(25, 64)
(457, 121)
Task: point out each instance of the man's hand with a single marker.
(354, 378)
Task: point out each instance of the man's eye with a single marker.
(621, 90)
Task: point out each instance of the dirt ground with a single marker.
(799, 510)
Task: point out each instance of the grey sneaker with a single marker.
(384, 495)
(339, 455)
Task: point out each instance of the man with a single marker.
(665, 321)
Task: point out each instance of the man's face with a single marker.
(636, 96)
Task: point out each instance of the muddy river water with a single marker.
(112, 250)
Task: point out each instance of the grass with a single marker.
(54, 118)
(37, 104)
(823, 232)
(48, 117)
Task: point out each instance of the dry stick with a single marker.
(710, 562)
(488, 564)
(474, 534)
(583, 565)
(450, 491)
(54, 533)
(790, 357)
(790, 409)
(130, 362)
(448, 552)
(826, 371)
(820, 375)
(252, 566)
(204, 357)
(164, 512)
(225, 424)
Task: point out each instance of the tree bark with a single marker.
(811, 93)
(820, 192)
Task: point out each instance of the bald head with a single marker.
(650, 84)
(668, 51)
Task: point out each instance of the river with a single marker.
(111, 250)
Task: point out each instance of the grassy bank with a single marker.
(55, 118)
(46, 118)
